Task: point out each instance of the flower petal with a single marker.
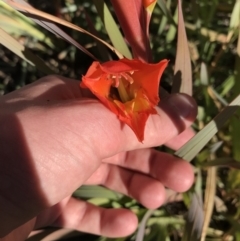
(141, 86)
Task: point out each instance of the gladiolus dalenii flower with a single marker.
(129, 88)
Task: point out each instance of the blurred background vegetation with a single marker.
(213, 33)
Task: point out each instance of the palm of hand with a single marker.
(64, 147)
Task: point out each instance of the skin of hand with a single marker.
(54, 138)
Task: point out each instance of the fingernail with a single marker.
(183, 104)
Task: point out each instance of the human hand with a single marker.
(54, 139)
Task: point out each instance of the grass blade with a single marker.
(194, 220)
(103, 51)
(87, 192)
(204, 74)
(24, 53)
(234, 20)
(112, 29)
(195, 215)
(193, 147)
(209, 199)
(47, 18)
(142, 226)
(15, 23)
(210, 191)
(182, 81)
(53, 28)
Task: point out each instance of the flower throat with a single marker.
(120, 88)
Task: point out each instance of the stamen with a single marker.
(118, 82)
(127, 77)
(115, 80)
(123, 93)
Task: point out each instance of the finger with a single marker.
(85, 217)
(171, 171)
(152, 170)
(145, 189)
(181, 139)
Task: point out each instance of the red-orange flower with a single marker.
(129, 88)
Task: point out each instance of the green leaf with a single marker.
(204, 74)
(227, 85)
(24, 53)
(102, 49)
(15, 23)
(47, 21)
(195, 145)
(234, 20)
(96, 191)
(112, 28)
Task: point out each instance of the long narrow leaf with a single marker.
(87, 192)
(105, 55)
(234, 20)
(53, 28)
(182, 81)
(195, 216)
(194, 220)
(47, 19)
(142, 226)
(193, 146)
(24, 53)
(16, 23)
(210, 191)
(209, 199)
(112, 28)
